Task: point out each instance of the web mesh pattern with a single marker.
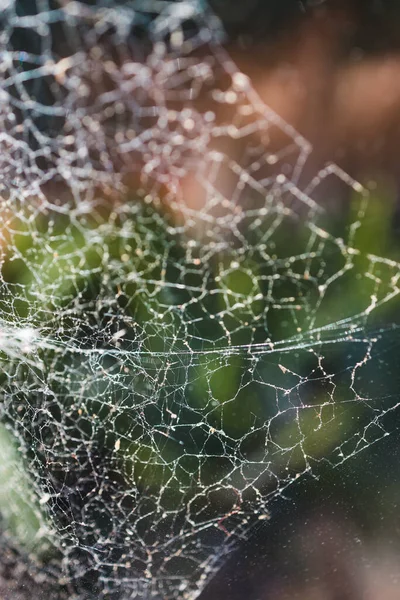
(173, 349)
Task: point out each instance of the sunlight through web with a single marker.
(174, 350)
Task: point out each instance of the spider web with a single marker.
(175, 347)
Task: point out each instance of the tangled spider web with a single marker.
(174, 350)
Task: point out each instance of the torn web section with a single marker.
(186, 362)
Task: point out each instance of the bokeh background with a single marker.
(331, 69)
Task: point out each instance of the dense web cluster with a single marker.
(175, 349)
